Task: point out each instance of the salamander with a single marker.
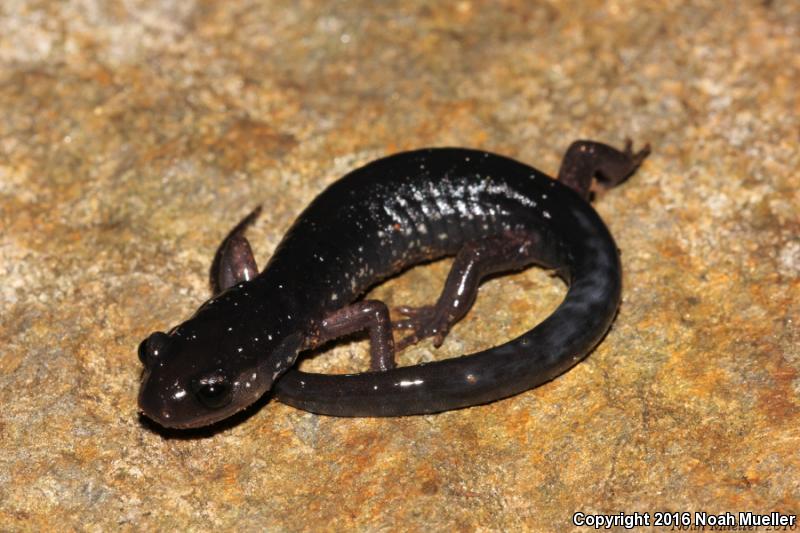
(493, 213)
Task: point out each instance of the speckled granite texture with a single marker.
(134, 134)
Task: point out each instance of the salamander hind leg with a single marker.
(476, 260)
(424, 321)
(585, 160)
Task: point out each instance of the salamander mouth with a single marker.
(169, 421)
(160, 407)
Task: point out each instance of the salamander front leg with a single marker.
(371, 315)
(585, 160)
(234, 261)
(476, 260)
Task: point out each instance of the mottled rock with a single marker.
(133, 135)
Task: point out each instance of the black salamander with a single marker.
(492, 213)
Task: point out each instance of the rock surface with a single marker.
(134, 134)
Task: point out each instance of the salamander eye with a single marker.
(213, 391)
(153, 347)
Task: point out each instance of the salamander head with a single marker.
(201, 372)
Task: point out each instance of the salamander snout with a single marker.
(193, 377)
